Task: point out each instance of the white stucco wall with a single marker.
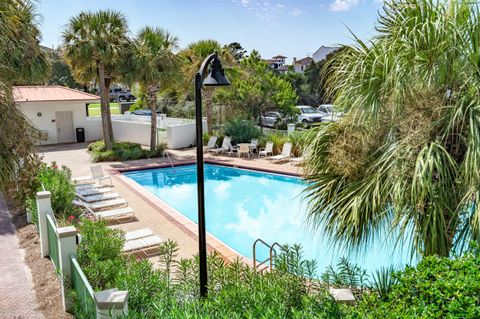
(182, 135)
(46, 122)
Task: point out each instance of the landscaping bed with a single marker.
(122, 151)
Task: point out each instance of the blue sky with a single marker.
(287, 27)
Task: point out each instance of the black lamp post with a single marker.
(216, 77)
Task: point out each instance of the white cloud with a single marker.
(264, 10)
(297, 12)
(343, 5)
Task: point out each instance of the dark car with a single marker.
(121, 95)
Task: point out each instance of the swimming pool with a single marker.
(243, 205)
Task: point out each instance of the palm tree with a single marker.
(407, 152)
(150, 62)
(194, 55)
(93, 44)
(21, 61)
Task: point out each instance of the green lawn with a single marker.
(94, 109)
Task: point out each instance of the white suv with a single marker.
(308, 115)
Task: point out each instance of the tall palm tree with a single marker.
(95, 41)
(21, 61)
(407, 152)
(151, 62)
(194, 55)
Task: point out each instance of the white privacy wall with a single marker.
(126, 128)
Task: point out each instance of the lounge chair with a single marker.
(101, 205)
(286, 153)
(211, 143)
(226, 146)
(96, 178)
(93, 191)
(145, 246)
(297, 160)
(112, 214)
(97, 197)
(268, 150)
(136, 234)
(84, 187)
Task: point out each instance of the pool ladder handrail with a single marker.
(168, 157)
(272, 254)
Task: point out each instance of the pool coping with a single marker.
(177, 218)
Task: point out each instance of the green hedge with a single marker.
(122, 151)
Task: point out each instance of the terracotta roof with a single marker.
(43, 93)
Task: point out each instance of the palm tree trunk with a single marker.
(108, 82)
(208, 97)
(104, 107)
(152, 91)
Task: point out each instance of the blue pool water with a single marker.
(243, 205)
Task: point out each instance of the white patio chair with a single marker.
(139, 233)
(267, 150)
(97, 197)
(211, 143)
(97, 206)
(84, 187)
(286, 153)
(112, 214)
(243, 149)
(226, 146)
(145, 246)
(98, 175)
(93, 191)
(254, 144)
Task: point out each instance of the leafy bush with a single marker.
(122, 151)
(100, 253)
(438, 287)
(242, 131)
(299, 140)
(57, 182)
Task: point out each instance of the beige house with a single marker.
(57, 111)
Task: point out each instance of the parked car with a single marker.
(328, 113)
(270, 119)
(308, 115)
(145, 112)
(121, 95)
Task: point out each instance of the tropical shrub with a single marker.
(405, 155)
(57, 181)
(278, 140)
(122, 151)
(100, 253)
(242, 131)
(438, 287)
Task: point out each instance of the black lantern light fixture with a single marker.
(216, 77)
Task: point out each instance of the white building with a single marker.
(322, 52)
(57, 111)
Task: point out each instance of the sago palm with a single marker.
(407, 153)
(152, 63)
(96, 41)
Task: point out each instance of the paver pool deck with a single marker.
(150, 211)
(17, 297)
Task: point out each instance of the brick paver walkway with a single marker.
(17, 298)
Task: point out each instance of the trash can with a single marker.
(80, 134)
